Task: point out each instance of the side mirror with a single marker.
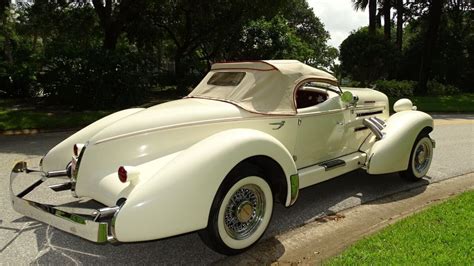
(349, 98)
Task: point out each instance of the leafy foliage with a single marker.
(113, 53)
(428, 55)
(97, 79)
(274, 39)
(395, 88)
(366, 58)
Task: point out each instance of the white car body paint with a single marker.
(181, 151)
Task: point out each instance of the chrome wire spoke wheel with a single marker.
(244, 211)
(422, 157)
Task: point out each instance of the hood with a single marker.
(171, 114)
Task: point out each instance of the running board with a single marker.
(332, 164)
(321, 172)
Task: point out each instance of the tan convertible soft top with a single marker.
(260, 86)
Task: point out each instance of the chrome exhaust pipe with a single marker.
(375, 127)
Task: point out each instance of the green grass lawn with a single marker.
(21, 119)
(440, 235)
(463, 103)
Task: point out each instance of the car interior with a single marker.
(316, 96)
(308, 96)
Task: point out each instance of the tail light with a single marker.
(122, 174)
(129, 174)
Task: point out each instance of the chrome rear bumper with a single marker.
(95, 225)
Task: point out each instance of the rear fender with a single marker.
(59, 156)
(178, 198)
(392, 152)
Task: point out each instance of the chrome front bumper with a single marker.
(95, 225)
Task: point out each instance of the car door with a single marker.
(321, 126)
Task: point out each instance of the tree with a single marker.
(205, 28)
(113, 18)
(274, 39)
(400, 11)
(434, 18)
(366, 57)
(387, 7)
(4, 4)
(372, 4)
(309, 29)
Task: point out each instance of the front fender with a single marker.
(178, 198)
(392, 152)
(59, 156)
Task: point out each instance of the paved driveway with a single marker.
(23, 240)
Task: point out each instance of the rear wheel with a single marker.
(420, 159)
(240, 213)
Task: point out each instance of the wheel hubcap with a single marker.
(244, 212)
(422, 158)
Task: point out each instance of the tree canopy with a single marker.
(434, 42)
(64, 50)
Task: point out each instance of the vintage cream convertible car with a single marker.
(250, 135)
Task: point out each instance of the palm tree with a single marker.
(400, 10)
(387, 27)
(372, 4)
(431, 37)
(3, 6)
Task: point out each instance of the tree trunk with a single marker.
(180, 74)
(112, 22)
(387, 26)
(399, 24)
(372, 16)
(111, 35)
(3, 7)
(8, 42)
(431, 38)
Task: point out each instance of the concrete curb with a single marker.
(34, 131)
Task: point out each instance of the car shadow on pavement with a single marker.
(314, 202)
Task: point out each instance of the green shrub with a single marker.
(351, 83)
(396, 88)
(98, 79)
(436, 88)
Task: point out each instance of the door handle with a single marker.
(278, 124)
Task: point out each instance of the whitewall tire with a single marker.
(420, 159)
(241, 211)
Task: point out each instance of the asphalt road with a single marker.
(23, 240)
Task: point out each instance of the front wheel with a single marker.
(240, 213)
(420, 159)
